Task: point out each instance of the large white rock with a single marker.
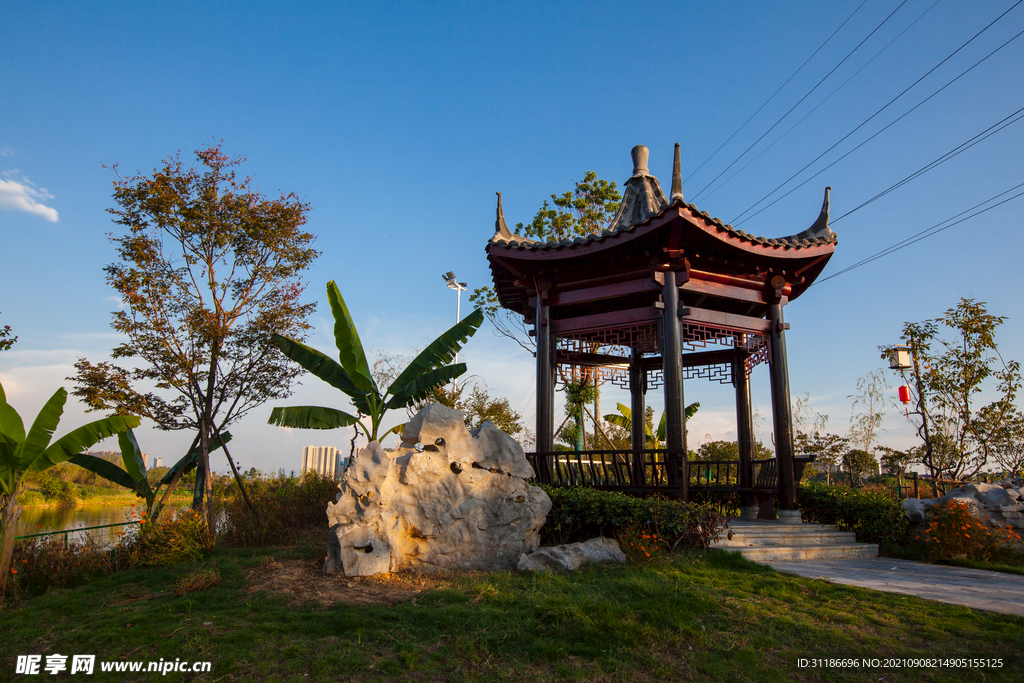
(571, 556)
(997, 505)
(446, 499)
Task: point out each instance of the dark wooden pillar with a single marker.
(744, 414)
(638, 414)
(781, 412)
(545, 376)
(672, 364)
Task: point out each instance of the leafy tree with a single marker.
(587, 209)
(729, 450)
(950, 374)
(1008, 443)
(22, 452)
(353, 377)
(827, 447)
(208, 270)
(896, 462)
(6, 340)
(584, 210)
(870, 399)
(858, 462)
(478, 407)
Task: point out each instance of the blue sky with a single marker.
(398, 122)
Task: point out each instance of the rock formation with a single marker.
(569, 557)
(997, 505)
(446, 499)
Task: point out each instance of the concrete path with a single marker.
(977, 588)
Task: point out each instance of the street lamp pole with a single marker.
(459, 288)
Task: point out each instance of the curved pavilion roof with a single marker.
(654, 232)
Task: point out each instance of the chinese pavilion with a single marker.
(666, 293)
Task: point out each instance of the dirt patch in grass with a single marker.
(303, 580)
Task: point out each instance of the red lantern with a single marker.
(905, 394)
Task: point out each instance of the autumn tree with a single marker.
(208, 269)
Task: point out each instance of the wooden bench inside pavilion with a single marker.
(664, 294)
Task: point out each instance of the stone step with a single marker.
(804, 552)
(811, 537)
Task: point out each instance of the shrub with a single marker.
(38, 565)
(875, 518)
(58, 490)
(178, 536)
(954, 532)
(578, 514)
(285, 506)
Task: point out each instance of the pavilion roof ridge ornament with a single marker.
(677, 180)
(643, 197)
(501, 231)
(819, 230)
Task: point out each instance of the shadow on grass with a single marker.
(693, 616)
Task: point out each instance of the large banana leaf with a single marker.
(325, 368)
(420, 386)
(8, 448)
(77, 440)
(439, 352)
(131, 454)
(310, 417)
(619, 420)
(350, 349)
(191, 460)
(105, 469)
(10, 421)
(39, 435)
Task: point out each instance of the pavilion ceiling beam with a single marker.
(725, 321)
(610, 320)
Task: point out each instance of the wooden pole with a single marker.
(781, 411)
(744, 415)
(672, 366)
(638, 414)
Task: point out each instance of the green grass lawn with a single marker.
(697, 616)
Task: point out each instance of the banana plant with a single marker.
(133, 476)
(22, 452)
(351, 373)
(624, 420)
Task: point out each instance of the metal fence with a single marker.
(104, 535)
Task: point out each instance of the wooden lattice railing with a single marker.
(647, 471)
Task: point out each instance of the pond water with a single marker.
(40, 520)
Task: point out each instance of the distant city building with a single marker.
(281, 472)
(324, 460)
(157, 462)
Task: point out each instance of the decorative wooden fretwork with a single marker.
(643, 337)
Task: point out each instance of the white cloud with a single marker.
(5, 152)
(18, 193)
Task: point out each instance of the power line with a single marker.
(928, 232)
(883, 108)
(987, 133)
(777, 91)
(843, 61)
(875, 135)
(817, 106)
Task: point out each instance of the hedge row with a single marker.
(874, 517)
(578, 514)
